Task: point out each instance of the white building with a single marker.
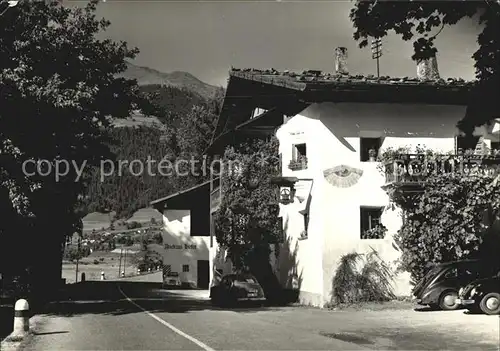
(186, 236)
(326, 125)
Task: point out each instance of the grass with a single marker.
(96, 220)
(109, 265)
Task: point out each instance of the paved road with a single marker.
(100, 317)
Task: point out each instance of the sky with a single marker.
(207, 38)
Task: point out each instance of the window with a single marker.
(367, 144)
(452, 273)
(466, 143)
(299, 150)
(185, 268)
(299, 157)
(370, 220)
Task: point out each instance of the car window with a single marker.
(451, 273)
(247, 279)
(468, 272)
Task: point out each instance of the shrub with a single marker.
(371, 282)
(96, 262)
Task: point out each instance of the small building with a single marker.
(187, 246)
(331, 127)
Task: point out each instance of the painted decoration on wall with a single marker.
(343, 176)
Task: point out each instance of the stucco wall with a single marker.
(332, 133)
(179, 248)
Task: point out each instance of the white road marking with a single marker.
(168, 325)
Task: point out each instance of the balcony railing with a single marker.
(298, 164)
(415, 168)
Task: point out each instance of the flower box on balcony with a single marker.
(298, 164)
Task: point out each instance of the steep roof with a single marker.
(251, 88)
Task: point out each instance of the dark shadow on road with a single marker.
(425, 309)
(50, 333)
(432, 309)
(104, 297)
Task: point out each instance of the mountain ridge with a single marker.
(180, 79)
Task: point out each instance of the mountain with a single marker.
(183, 80)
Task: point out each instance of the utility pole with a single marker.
(377, 53)
(77, 258)
(120, 265)
(124, 260)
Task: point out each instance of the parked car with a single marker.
(235, 288)
(482, 295)
(171, 279)
(439, 287)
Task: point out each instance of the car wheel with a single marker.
(448, 301)
(490, 303)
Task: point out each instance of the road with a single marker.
(136, 314)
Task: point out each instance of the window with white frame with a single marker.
(185, 268)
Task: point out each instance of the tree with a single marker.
(247, 221)
(422, 21)
(59, 91)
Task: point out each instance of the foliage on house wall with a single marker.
(451, 217)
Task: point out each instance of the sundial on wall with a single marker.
(342, 176)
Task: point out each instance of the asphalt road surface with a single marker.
(139, 315)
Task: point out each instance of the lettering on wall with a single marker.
(179, 247)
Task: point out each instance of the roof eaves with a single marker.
(169, 197)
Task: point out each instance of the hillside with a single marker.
(183, 80)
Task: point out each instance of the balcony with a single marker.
(412, 170)
(298, 164)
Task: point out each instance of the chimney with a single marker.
(428, 69)
(341, 60)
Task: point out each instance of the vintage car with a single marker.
(482, 295)
(439, 287)
(235, 288)
(171, 279)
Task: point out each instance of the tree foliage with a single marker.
(59, 92)
(247, 221)
(422, 22)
